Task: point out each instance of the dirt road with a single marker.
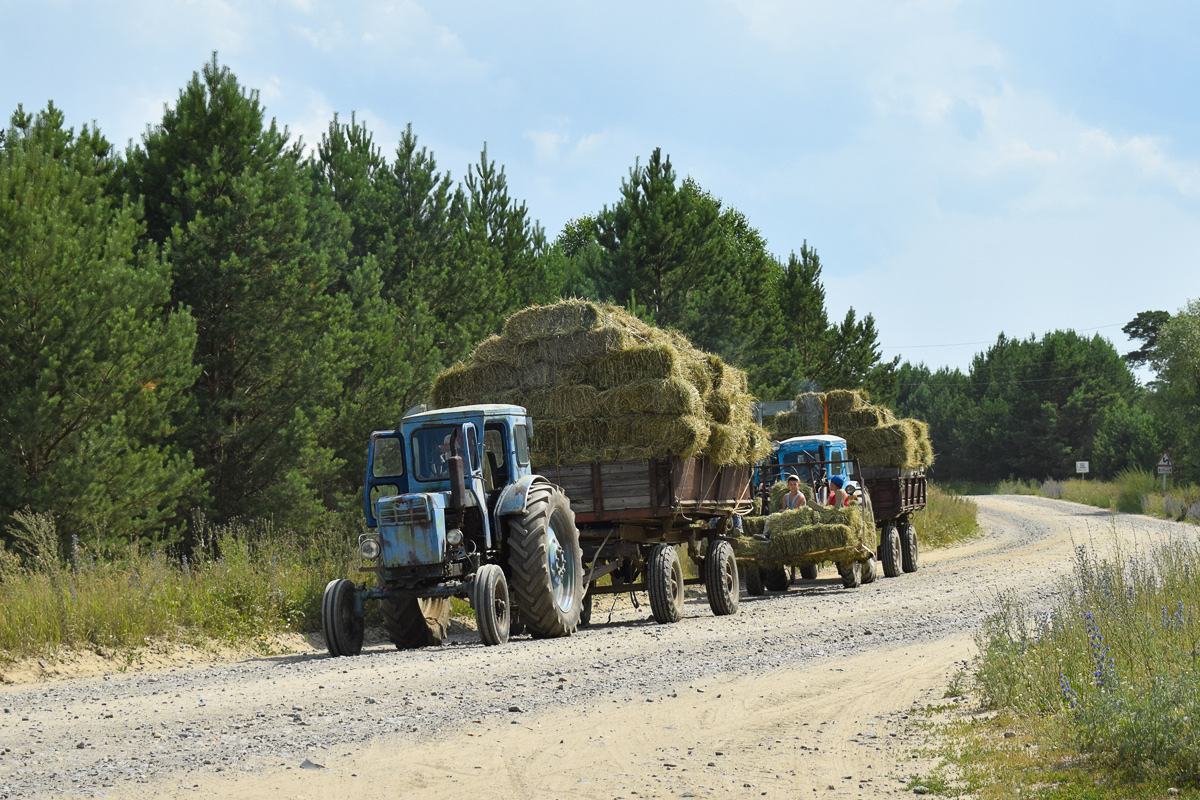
(799, 695)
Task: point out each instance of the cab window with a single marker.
(521, 442)
(388, 460)
(431, 447)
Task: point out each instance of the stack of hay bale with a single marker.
(602, 385)
(796, 535)
(872, 433)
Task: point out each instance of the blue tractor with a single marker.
(813, 459)
(455, 510)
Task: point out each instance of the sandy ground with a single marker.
(808, 693)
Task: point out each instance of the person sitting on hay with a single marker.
(794, 498)
(838, 497)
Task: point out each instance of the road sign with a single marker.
(1082, 466)
(1164, 465)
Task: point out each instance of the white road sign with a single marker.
(1164, 465)
(1082, 467)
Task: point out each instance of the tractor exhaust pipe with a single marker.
(458, 493)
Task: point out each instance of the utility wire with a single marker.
(989, 341)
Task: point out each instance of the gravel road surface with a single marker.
(799, 694)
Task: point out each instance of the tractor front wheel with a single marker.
(492, 608)
(342, 626)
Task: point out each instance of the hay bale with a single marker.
(866, 417)
(795, 535)
(623, 367)
(894, 445)
(671, 396)
(605, 386)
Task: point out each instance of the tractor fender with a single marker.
(512, 500)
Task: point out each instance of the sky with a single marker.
(963, 169)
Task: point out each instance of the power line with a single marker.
(989, 341)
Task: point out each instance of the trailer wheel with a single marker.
(721, 578)
(851, 574)
(754, 581)
(908, 547)
(415, 621)
(493, 612)
(809, 571)
(585, 610)
(546, 563)
(889, 551)
(870, 570)
(343, 628)
(776, 579)
(664, 576)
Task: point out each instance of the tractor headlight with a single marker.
(368, 548)
(454, 537)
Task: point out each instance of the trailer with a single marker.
(896, 495)
(632, 515)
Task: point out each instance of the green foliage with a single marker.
(1027, 409)
(94, 365)
(1116, 659)
(254, 254)
(1175, 401)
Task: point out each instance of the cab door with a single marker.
(386, 473)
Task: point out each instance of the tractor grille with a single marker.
(405, 510)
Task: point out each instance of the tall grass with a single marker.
(1117, 659)
(1133, 491)
(946, 519)
(241, 583)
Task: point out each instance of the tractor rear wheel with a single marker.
(342, 626)
(754, 581)
(415, 621)
(721, 578)
(809, 571)
(546, 564)
(776, 578)
(889, 551)
(851, 574)
(870, 570)
(908, 547)
(492, 609)
(664, 584)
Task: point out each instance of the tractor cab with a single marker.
(414, 475)
(814, 459)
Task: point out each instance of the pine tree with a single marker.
(255, 254)
(93, 362)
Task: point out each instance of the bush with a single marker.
(1117, 659)
(241, 582)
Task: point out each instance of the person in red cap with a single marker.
(837, 493)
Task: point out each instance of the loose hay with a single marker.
(604, 385)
